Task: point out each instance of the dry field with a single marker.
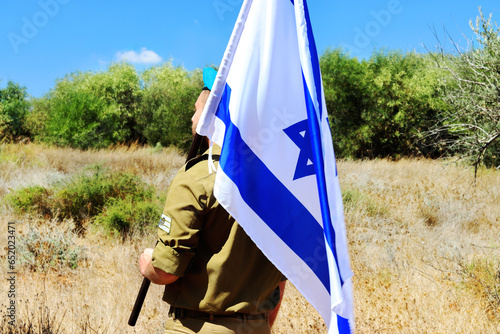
(423, 241)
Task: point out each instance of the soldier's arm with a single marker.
(155, 275)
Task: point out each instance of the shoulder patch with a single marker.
(165, 223)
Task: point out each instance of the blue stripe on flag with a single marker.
(315, 130)
(265, 194)
(343, 325)
(319, 164)
(314, 60)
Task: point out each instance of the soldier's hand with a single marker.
(145, 260)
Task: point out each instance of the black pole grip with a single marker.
(139, 301)
(193, 151)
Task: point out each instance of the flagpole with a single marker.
(225, 65)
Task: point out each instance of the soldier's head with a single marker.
(209, 75)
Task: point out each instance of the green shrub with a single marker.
(119, 105)
(121, 202)
(34, 200)
(86, 196)
(351, 197)
(128, 216)
(347, 96)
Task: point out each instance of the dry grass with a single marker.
(23, 165)
(410, 232)
(423, 243)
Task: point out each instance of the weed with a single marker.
(38, 320)
(354, 199)
(41, 250)
(351, 196)
(482, 277)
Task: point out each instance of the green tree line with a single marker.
(393, 104)
(379, 107)
(98, 109)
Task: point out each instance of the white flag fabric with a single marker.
(277, 174)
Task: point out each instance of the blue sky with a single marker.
(43, 40)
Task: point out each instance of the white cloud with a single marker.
(145, 56)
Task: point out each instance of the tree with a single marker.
(14, 106)
(167, 105)
(87, 109)
(378, 106)
(404, 98)
(36, 119)
(470, 129)
(346, 99)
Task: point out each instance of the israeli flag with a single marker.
(277, 173)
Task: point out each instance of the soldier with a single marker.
(216, 279)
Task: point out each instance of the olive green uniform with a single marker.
(220, 269)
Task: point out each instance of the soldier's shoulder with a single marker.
(197, 168)
(195, 161)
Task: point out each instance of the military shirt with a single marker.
(220, 268)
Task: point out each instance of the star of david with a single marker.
(299, 134)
